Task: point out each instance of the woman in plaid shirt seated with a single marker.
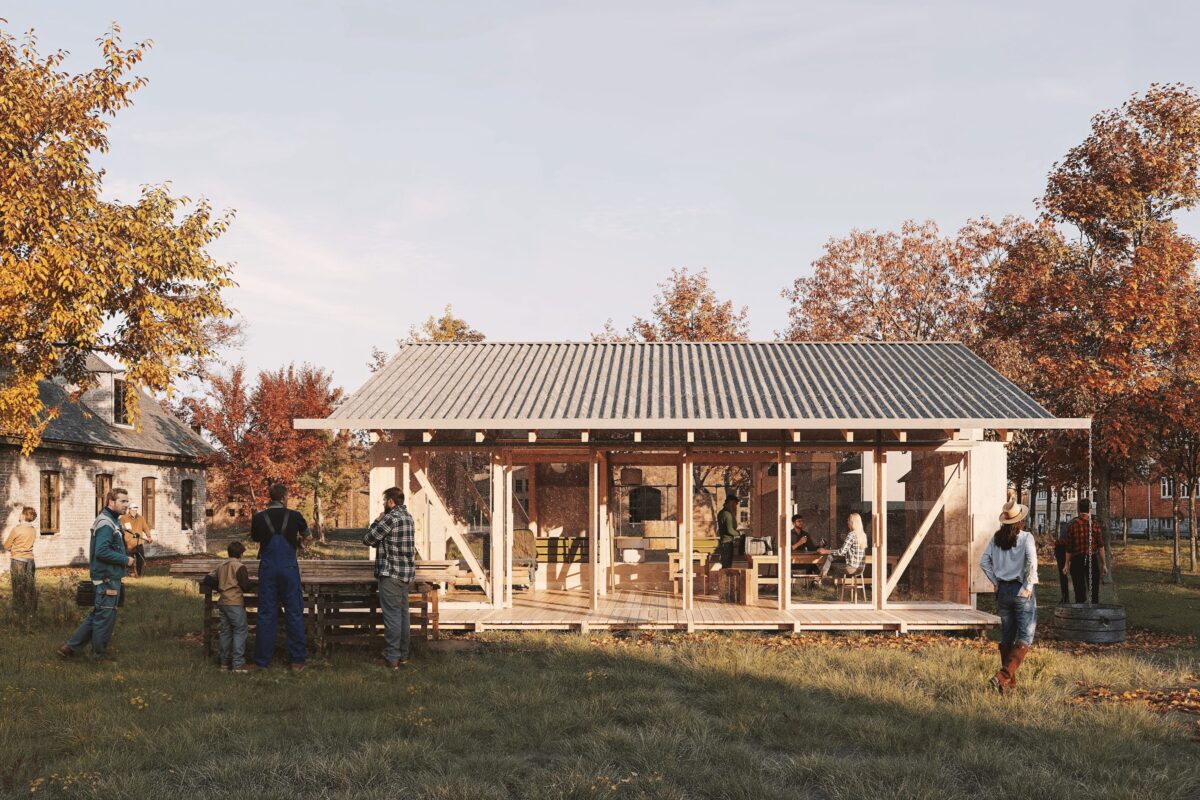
(852, 552)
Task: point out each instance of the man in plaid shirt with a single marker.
(1085, 544)
(392, 537)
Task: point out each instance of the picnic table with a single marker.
(341, 598)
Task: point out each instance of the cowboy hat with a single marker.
(1013, 511)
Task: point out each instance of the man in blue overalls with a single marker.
(107, 564)
(279, 533)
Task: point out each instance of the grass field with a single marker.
(563, 715)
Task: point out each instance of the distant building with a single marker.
(91, 447)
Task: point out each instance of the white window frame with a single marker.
(1165, 488)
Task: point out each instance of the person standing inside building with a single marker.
(391, 534)
(1010, 563)
(138, 534)
(727, 531)
(108, 564)
(24, 572)
(280, 532)
(1085, 554)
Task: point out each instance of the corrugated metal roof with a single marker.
(687, 385)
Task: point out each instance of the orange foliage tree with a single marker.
(252, 428)
(686, 309)
(1102, 294)
(82, 274)
(915, 285)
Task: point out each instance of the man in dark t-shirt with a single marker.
(802, 542)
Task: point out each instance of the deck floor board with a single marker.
(656, 609)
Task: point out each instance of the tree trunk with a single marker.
(1192, 526)
(1175, 576)
(1125, 516)
(1103, 492)
(1057, 509)
(1033, 493)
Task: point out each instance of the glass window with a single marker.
(148, 489)
(103, 487)
(51, 484)
(120, 410)
(186, 495)
(1166, 490)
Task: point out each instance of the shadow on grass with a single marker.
(561, 715)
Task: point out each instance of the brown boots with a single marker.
(1011, 657)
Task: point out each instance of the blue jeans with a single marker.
(97, 627)
(1018, 615)
(393, 601)
(233, 635)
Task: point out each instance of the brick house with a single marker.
(92, 447)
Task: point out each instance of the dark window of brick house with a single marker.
(103, 487)
(120, 411)
(186, 495)
(148, 489)
(51, 486)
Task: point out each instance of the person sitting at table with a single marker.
(802, 542)
(850, 558)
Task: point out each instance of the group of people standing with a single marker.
(281, 534)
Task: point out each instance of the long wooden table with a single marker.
(341, 598)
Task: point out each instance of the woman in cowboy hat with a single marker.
(1010, 563)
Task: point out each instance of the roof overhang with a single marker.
(1046, 423)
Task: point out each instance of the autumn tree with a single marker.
(1102, 293)
(446, 328)
(81, 274)
(252, 427)
(685, 309)
(914, 285)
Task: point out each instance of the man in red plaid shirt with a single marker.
(1085, 547)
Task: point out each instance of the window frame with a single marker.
(150, 500)
(49, 502)
(104, 485)
(187, 500)
(1166, 488)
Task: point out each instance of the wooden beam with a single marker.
(783, 543)
(795, 436)
(584, 436)
(1005, 435)
(926, 526)
(951, 433)
(901, 436)
(691, 437)
(848, 435)
(637, 437)
(427, 437)
(455, 534)
(742, 436)
(480, 436)
(532, 437)
(879, 574)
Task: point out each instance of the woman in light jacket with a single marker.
(1010, 563)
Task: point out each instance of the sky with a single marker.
(542, 166)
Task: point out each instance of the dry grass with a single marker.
(566, 716)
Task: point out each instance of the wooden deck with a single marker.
(651, 610)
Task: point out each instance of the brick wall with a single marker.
(20, 484)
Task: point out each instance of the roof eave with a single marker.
(1035, 423)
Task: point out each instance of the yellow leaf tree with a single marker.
(82, 274)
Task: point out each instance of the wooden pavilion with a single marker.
(569, 479)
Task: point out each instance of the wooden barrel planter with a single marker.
(1099, 624)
